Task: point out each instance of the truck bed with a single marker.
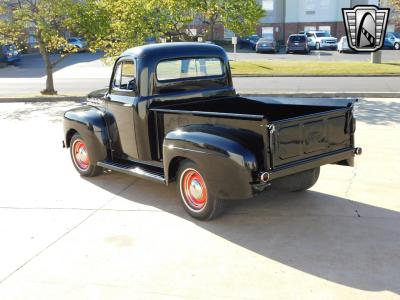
(289, 131)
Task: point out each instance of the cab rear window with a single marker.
(189, 68)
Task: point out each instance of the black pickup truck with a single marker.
(171, 113)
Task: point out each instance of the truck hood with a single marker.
(97, 94)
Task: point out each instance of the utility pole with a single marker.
(376, 57)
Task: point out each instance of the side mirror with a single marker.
(132, 86)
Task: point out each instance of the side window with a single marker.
(125, 76)
(117, 76)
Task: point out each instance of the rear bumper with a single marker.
(11, 59)
(342, 157)
(265, 48)
(296, 49)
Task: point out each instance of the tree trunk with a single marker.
(49, 68)
(211, 31)
(49, 80)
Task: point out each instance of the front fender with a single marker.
(89, 122)
(228, 165)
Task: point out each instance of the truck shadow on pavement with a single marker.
(378, 112)
(334, 238)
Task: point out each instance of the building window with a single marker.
(267, 31)
(310, 7)
(391, 28)
(268, 5)
(228, 34)
(309, 28)
(325, 28)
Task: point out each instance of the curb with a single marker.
(325, 95)
(38, 99)
(311, 75)
(254, 94)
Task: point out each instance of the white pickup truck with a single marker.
(321, 40)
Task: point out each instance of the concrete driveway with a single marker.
(118, 237)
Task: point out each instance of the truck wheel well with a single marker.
(69, 136)
(174, 166)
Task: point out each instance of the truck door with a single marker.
(122, 105)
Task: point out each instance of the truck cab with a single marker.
(171, 114)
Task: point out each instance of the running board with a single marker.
(135, 169)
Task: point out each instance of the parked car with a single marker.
(9, 54)
(321, 40)
(343, 45)
(171, 114)
(392, 40)
(267, 44)
(150, 40)
(79, 43)
(249, 42)
(297, 43)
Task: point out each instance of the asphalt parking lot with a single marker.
(118, 237)
(315, 55)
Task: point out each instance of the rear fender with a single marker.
(228, 165)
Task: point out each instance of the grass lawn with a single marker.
(312, 68)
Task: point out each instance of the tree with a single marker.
(240, 16)
(47, 21)
(122, 24)
(395, 14)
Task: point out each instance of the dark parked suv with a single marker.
(9, 54)
(249, 42)
(297, 43)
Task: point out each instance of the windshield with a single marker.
(297, 39)
(10, 48)
(322, 34)
(267, 37)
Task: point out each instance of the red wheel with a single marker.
(81, 158)
(194, 189)
(197, 199)
(80, 154)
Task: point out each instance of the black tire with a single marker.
(297, 182)
(396, 46)
(200, 209)
(84, 166)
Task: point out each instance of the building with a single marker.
(285, 17)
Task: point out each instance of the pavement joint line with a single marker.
(260, 212)
(67, 232)
(348, 189)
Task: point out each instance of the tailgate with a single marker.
(304, 137)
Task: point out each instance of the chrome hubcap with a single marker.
(82, 154)
(196, 189)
